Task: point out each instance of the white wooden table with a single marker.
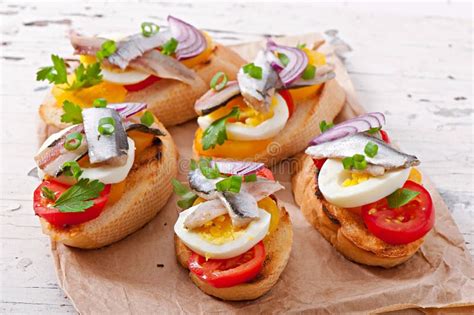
(413, 62)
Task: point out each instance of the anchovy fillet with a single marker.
(212, 100)
(204, 212)
(242, 207)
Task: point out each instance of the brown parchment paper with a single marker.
(140, 274)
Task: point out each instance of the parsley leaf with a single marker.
(72, 113)
(106, 49)
(206, 169)
(78, 197)
(401, 197)
(232, 183)
(216, 132)
(56, 74)
(86, 76)
(187, 196)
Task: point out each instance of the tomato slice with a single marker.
(44, 207)
(319, 162)
(401, 225)
(223, 273)
(143, 84)
(289, 100)
(265, 172)
(384, 135)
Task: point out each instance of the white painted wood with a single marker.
(413, 62)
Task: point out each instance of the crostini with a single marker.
(232, 234)
(105, 176)
(363, 195)
(267, 114)
(167, 69)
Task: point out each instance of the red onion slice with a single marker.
(274, 61)
(191, 42)
(128, 109)
(352, 126)
(298, 61)
(237, 167)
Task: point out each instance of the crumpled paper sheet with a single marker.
(140, 274)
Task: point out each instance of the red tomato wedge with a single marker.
(289, 100)
(384, 135)
(143, 84)
(401, 225)
(223, 273)
(319, 162)
(265, 172)
(44, 207)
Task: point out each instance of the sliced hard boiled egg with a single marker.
(246, 132)
(224, 242)
(343, 190)
(123, 77)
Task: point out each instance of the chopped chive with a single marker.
(169, 47)
(100, 102)
(323, 126)
(72, 168)
(219, 76)
(232, 184)
(147, 119)
(348, 162)
(284, 59)
(149, 29)
(106, 126)
(73, 141)
(371, 149)
(48, 193)
(253, 71)
(309, 72)
(106, 49)
(359, 162)
(250, 178)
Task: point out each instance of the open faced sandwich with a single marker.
(362, 194)
(267, 114)
(105, 176)
(166, 68)
(233, 237)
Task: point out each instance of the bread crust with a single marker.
(303, 125)
(345, 230)
(147, 189)
(277, 247)
(171, 101)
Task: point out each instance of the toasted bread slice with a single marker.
(147, 189)
(302, 126)
(277, 248)
(171, 101)
(344, 229)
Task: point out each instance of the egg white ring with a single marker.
(107, 174)
(125, 77)
(254, 233)
(265, 130)
(333, 174)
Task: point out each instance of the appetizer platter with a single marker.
(233, 238)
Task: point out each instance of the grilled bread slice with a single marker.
(277, 248)
(344, 229)
(147, 189)
(302, 125)
(171, 101)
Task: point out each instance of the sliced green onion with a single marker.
(371, 149)
(301, 46)
(149, 29)
(232, 184)
(73, 141)
(100, 102)
(219, 76)
(309, 72)
(147, 119)
(323, 126)
(359, 162)
(72, 168)
(193, 165)
(106, 126)
(253, 71)
(374, 130)
(48, 193)
(284, 59)
(169, 47)
(250, 178)
(107, 49)
(348, 162)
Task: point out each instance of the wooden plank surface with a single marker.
(413, 62)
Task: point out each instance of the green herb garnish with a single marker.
(187, 196)
(216, 133)
(78, 197)
(207, 170)
(106, 49)
(106, 126)
(284, 59)
(359, 162)
(250, 178)
(149, 29)
(56, 74)
(73, 141)
(169, 47)
(147, 119)
(374, 130)
(72, 113)
(371, 149)
(48, 193)
(86, 76)
(401, 197)
(348, 162)
(100, 102)
(72, 168)
(253, 71)
(215, 84)
(323, 126)
(193, 165)
(309, 72)
(231, 183)
(301, 46)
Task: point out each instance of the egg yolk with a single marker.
(415, 176)
(355, 179)
(202, 57)
(316, 59)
